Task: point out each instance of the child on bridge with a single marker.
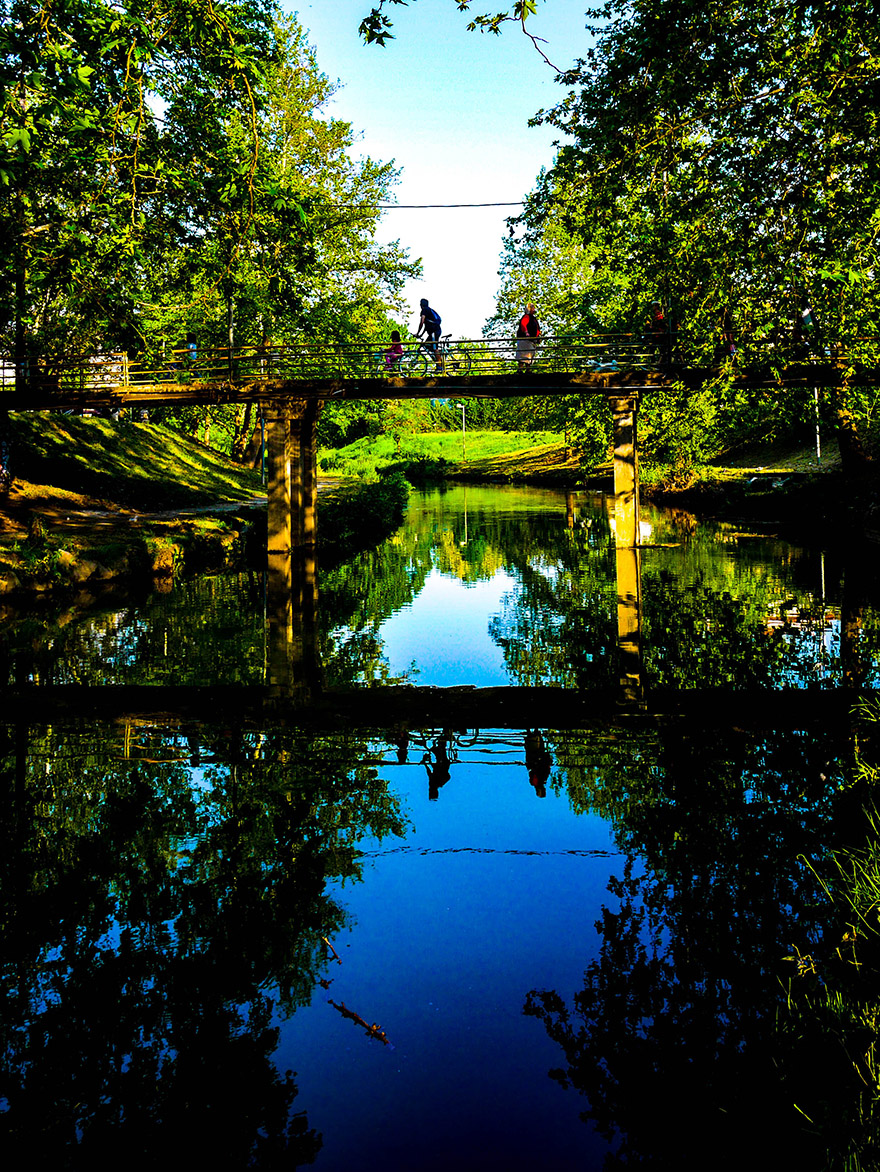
(394, 353)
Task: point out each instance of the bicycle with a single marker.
(417, 359)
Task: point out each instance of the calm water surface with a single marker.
(258, 944)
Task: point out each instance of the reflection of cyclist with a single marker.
(438, 769)
(430, 323)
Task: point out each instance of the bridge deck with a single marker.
(144, 395)
(456, 708)
(477, 368)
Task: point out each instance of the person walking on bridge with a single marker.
(429, 322)
(527, 333)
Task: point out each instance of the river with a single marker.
(262, 942)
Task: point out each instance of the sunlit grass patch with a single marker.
(505, 454)
(143, 465)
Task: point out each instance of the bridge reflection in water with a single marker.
(294, 692)
(294, 671)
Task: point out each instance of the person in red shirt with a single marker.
(527, 334)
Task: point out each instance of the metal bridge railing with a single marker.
(313, 361)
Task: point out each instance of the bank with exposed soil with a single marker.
(95, 502)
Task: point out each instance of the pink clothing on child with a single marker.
(394, 354)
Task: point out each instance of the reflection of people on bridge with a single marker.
(538, 762)
(527, 333)
(400, 738)
(430, 323)
(195, 752)
(438, 770)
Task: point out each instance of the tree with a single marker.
(288, 247)
(84, 160)
(169, 170)
(725, 157)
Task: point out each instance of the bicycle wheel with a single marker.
(413, 363)
(457, 361)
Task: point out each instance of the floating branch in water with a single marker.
(373, 1030)
(332, 949)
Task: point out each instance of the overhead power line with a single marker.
(390, 207)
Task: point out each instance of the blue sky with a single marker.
(452, 109)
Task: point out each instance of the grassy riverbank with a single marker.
(773, 487)
(94, 500)
(498, 456)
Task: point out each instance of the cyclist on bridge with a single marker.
(430, 323)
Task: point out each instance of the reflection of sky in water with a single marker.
(457, 616)
(493, 892)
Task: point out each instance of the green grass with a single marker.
(487, 452)
(142, 465)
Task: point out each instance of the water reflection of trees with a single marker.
(755, 619)
(674, 1039)
(157, 918)
(200, 630)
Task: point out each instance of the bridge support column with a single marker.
(281, 455)
(292, 667)
(293, 476)
(291, 586)
(309, 452)
(626, 469)
(629, 625)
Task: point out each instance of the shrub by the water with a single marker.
(356, 518)
(422, 470)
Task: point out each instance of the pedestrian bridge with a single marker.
(292, 383)
(469, 368)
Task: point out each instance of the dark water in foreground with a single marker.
(261, 943)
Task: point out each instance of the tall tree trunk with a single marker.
(242, 431)
(20, 340)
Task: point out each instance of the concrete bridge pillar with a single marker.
(309, 457)
(291, 584)
(624, 410)
(292, 483)
(629, 625)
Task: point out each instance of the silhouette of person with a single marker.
(726, 347)
(538, 762)
(429, 324)
(400, 737)
(438, 771)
